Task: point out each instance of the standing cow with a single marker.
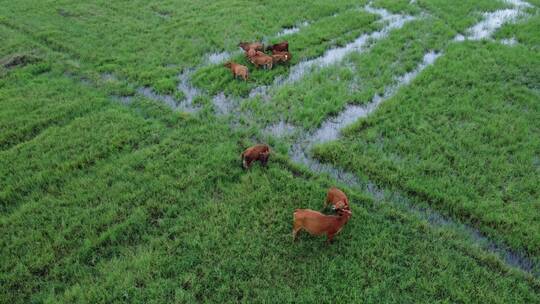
(260, 152)
(337, 199)
(238, 70)
(317, 223)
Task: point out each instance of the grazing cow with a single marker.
(317, 223)
(337, 199)
(251, 53)
(237, 70)
(259, 53)
(278, 57)
(262, 59)
(251, 45)
(279, 47)
(258, 152)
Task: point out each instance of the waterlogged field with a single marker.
(463, 137)
(110, 192)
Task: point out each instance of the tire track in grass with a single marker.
(46, 166)
(331, 128)
(126, 213)
(169, 100)
(26, 110)
(26, 116)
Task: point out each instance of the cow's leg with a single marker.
(264, 160)
(330, 238)
(247, 162)
(295, 231)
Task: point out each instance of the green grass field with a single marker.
(109, 196)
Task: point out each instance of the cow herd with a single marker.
(255, 54)
(314, 222)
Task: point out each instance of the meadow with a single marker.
(476, 159)
(107, 195)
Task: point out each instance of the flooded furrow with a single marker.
(330, 129)
(226, 105)
(292, 30)
(299, 154)
(379, 194)
(190, 91)
(280, 129)
(335, 55)
(166, 99)
(510, 41)
(218, 58)
(492, 21)
(186, 104)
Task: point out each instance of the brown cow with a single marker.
(337, 199)
(251, 45)
(279, 47)
(250, 53)
(258, 152)
(281, 57)
(238, 70)
(317, 223)
(262, 59)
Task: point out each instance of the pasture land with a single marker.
(108, 195)
(463, 137)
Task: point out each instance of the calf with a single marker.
(278, 57)
(317, 223)
(258, 152)
(337, 199)
(251, 45)
(279, 47)
(237, 70)
(262, 59)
